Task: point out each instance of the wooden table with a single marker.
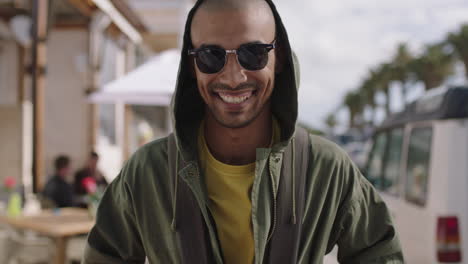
(57, 224)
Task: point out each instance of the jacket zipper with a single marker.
(274, 200)
(202, 203)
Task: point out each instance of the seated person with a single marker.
(57, 189)
(89, 171)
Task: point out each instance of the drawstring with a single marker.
(293, 162)
(174, 200)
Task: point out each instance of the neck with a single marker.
(238, 146)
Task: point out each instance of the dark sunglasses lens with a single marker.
(211, 60)
(253, 57)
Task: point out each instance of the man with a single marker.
(90, 170)
(227, 187)
(57, 189)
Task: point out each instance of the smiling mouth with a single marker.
(237, 98)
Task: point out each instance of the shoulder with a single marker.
(49, 184)
(324, 150)
(147, 160)
(154, 149)
(54, 180)
(332, 167)
(143, 177)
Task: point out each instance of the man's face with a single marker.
(93, 163)
(65, 171)
(235, 96)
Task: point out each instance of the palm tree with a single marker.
(433, 66)
(383, 79)
(400, 68)
(459, 41)
(354, 102)
(331, 122)
(368, 90)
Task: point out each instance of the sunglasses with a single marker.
(251, 56)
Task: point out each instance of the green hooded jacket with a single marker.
(136, 218)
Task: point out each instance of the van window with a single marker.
(417, 169)
(374, 171)
(391, 170)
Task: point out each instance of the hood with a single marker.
(188, 106)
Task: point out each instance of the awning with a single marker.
(150, 84)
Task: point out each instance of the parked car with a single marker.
(419, 162)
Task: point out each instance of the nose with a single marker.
(233, 73)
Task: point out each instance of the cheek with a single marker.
(272, 59)
(203, 81)
(270, 68)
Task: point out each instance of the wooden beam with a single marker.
(59, 24)
(128, 117)
(129, 14)
(120, 20)
(113, 31)
(39, 60)
(86, 8)
(21, 74)
(95, 41)
(93, 126)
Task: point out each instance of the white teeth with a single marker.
(234, 99)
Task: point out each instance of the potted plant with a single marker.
(93, 196)
(14, 198)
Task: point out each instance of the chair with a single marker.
(28, 248)
(3, 245)
(75, 248)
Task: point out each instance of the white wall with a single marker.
(67, 113)
(10, 113)
(10, 142)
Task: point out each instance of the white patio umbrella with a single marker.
(150, 84)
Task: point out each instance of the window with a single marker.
(391, 170)
(374, 170)
(417, 171)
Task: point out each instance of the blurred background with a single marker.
(78, 76)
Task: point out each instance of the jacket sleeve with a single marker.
(115, 237)
(366, 232)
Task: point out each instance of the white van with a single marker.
(419, 162)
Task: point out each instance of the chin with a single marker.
(235, 124)
(240, 121)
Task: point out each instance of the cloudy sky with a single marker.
(337, 41)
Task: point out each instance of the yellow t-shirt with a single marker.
(229, 189)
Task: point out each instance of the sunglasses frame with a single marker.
(269, 47)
